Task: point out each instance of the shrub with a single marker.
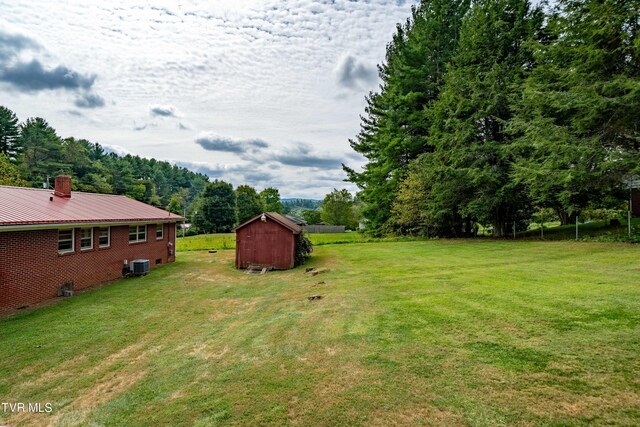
(304, 247)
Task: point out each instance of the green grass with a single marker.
(228, 240)
(594, 230)
(480, 333)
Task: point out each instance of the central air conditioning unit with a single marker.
(139, 267)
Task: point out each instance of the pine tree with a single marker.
(474, 153)
(396, 129)
(42, 154)
(580, 107)
(9, 132)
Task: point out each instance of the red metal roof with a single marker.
(282, 220)
(22, 206)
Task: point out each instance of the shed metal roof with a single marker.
(281, 219)
(32, 206)
(298, 221)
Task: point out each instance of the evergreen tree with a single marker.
(271, 199)
(75, 152)
(42, 154)
(9, 132)
(150, 193)
(474, 154)
(396, 128)
(94, 169)
(121, 174)
(218, 212)
(579, 110)
(249, 203)
(96, 151)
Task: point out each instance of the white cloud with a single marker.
(249, 69)
(121, 151)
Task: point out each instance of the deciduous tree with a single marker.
(338, 209)
(9, 174)
(218, 212)
(249, 203)
(271, 198)
(312, 216)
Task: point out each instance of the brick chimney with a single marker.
(63, 186)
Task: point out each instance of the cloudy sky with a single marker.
(259, 92)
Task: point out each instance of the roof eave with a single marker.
(287, 226)
(76, 224)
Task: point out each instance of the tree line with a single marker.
(219, 208)
(338, 207)
(490, 111)
(32, 154)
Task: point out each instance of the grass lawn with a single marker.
(228, 240)
(588, 231)
(480, 333)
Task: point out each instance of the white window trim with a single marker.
(161, 228)
(73, 242)
(88, 248)
(138, 233)
(108, 245)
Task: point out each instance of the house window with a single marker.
(65, 241)
(105, 237)
(159, 231)
(137, 233)
(86, 239)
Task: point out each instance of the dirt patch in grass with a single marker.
(52, 374)
(564, 404)
(415, 415)
(206, 352)
(109, 382)
(77, 412)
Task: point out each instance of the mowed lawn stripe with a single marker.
(407, 333)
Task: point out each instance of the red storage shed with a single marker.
(267, 240)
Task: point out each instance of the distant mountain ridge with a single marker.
(295, 207)
(290, 199)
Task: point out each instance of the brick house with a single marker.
(50, 239)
